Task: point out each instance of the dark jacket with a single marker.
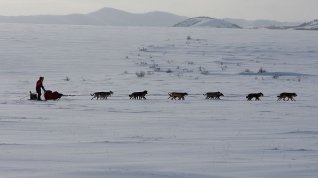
(39, 85)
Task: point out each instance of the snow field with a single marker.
(157, 137)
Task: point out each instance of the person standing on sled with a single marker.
(39, 86)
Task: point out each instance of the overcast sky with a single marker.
(283, 10)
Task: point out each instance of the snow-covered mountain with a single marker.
(259, 23)
(313, 25)
(114, 17)
(206, 22)
(105, 16)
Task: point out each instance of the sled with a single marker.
(48, 95)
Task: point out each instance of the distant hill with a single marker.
(105, 16)
(114, 17)
(259, 23)
(206, 22)
(313, 25)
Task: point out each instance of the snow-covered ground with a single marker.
(158, 138)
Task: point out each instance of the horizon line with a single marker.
(236, 18)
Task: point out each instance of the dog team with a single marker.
(180, 96)
(142, 95)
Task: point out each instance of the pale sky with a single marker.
(283, 10)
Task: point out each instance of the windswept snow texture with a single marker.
(206, 22)
(77, 137)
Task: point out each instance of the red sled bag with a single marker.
(49, 95)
